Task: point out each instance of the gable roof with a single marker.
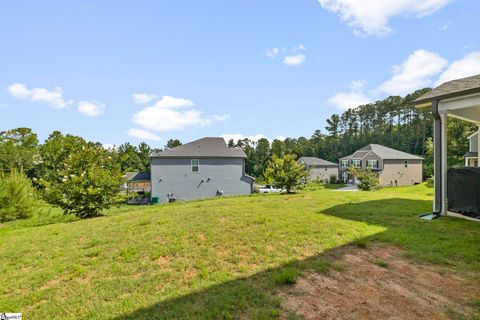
(382, 152)
(209, 147)
(313, 161)
(137, 176)
(451, 89)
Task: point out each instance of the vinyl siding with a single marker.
(174, 175)
(395, 173)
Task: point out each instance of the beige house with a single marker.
(394, 167)
(320, 168)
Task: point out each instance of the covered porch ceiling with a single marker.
(465, 108)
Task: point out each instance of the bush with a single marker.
(286, 172)
(430, 182)
(333, 179)
(369, 180)
(89, 183)
(17, 197)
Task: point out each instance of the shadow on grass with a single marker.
(254, 297)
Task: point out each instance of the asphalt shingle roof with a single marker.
(138, 176)
(451, 88)
(202, 148)
(383, 152)
(313, 161)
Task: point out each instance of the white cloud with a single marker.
(140, 98)
(272, 53)
(294, 60)
(167, 114)
(143, 134)
(347, 100)
(468, 66)
(171, 102)
(91, 108)
(239, 136)
(290, 56)
(414, 73)
(54, 98)
(352, 98)
(418, 71)
(371, 17)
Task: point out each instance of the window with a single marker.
(372, 164)
(326, 168)
(344, 163)
(406, 163)
(195, 165)
(357, 163)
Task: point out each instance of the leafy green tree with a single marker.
(129, 158)
(172, 143)
(18, 198)
(278, 148)
(89, 185)
(286, 172)
(54, 152)
(18, 150)
(144, 152)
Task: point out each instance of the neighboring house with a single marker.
(395, 168)
(319, 168)
(471, 157)
(200, 169)
(138, 182)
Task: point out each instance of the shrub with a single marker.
(286, 172)
(318, 180)
(369, 180)
(89, 183)
(17, 197)
(333, 179)
(430, 182)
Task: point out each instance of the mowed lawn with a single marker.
(219, 258)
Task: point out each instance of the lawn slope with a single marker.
(218, 258)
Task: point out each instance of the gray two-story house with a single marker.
(394, 167)
(200, 169)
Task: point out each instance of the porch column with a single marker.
(444, 162)
(439, 158)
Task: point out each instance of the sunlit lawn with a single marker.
(218, 258)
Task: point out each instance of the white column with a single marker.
(444, 119)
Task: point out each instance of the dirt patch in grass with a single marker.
(396, 288)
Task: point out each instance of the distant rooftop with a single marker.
(451, 89)
(209, 147)
(383, 152)
(137, 176)
(313, 161)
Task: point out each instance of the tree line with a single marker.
(393, 122)
(68, 171)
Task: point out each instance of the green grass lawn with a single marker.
(219, 258)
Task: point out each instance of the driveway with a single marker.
(349, 187)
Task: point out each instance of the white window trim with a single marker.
(344, 163)
(369, 162)
(198, 165)
(359, 161)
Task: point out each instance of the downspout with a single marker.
(438, 187)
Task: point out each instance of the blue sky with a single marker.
(210, 68)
